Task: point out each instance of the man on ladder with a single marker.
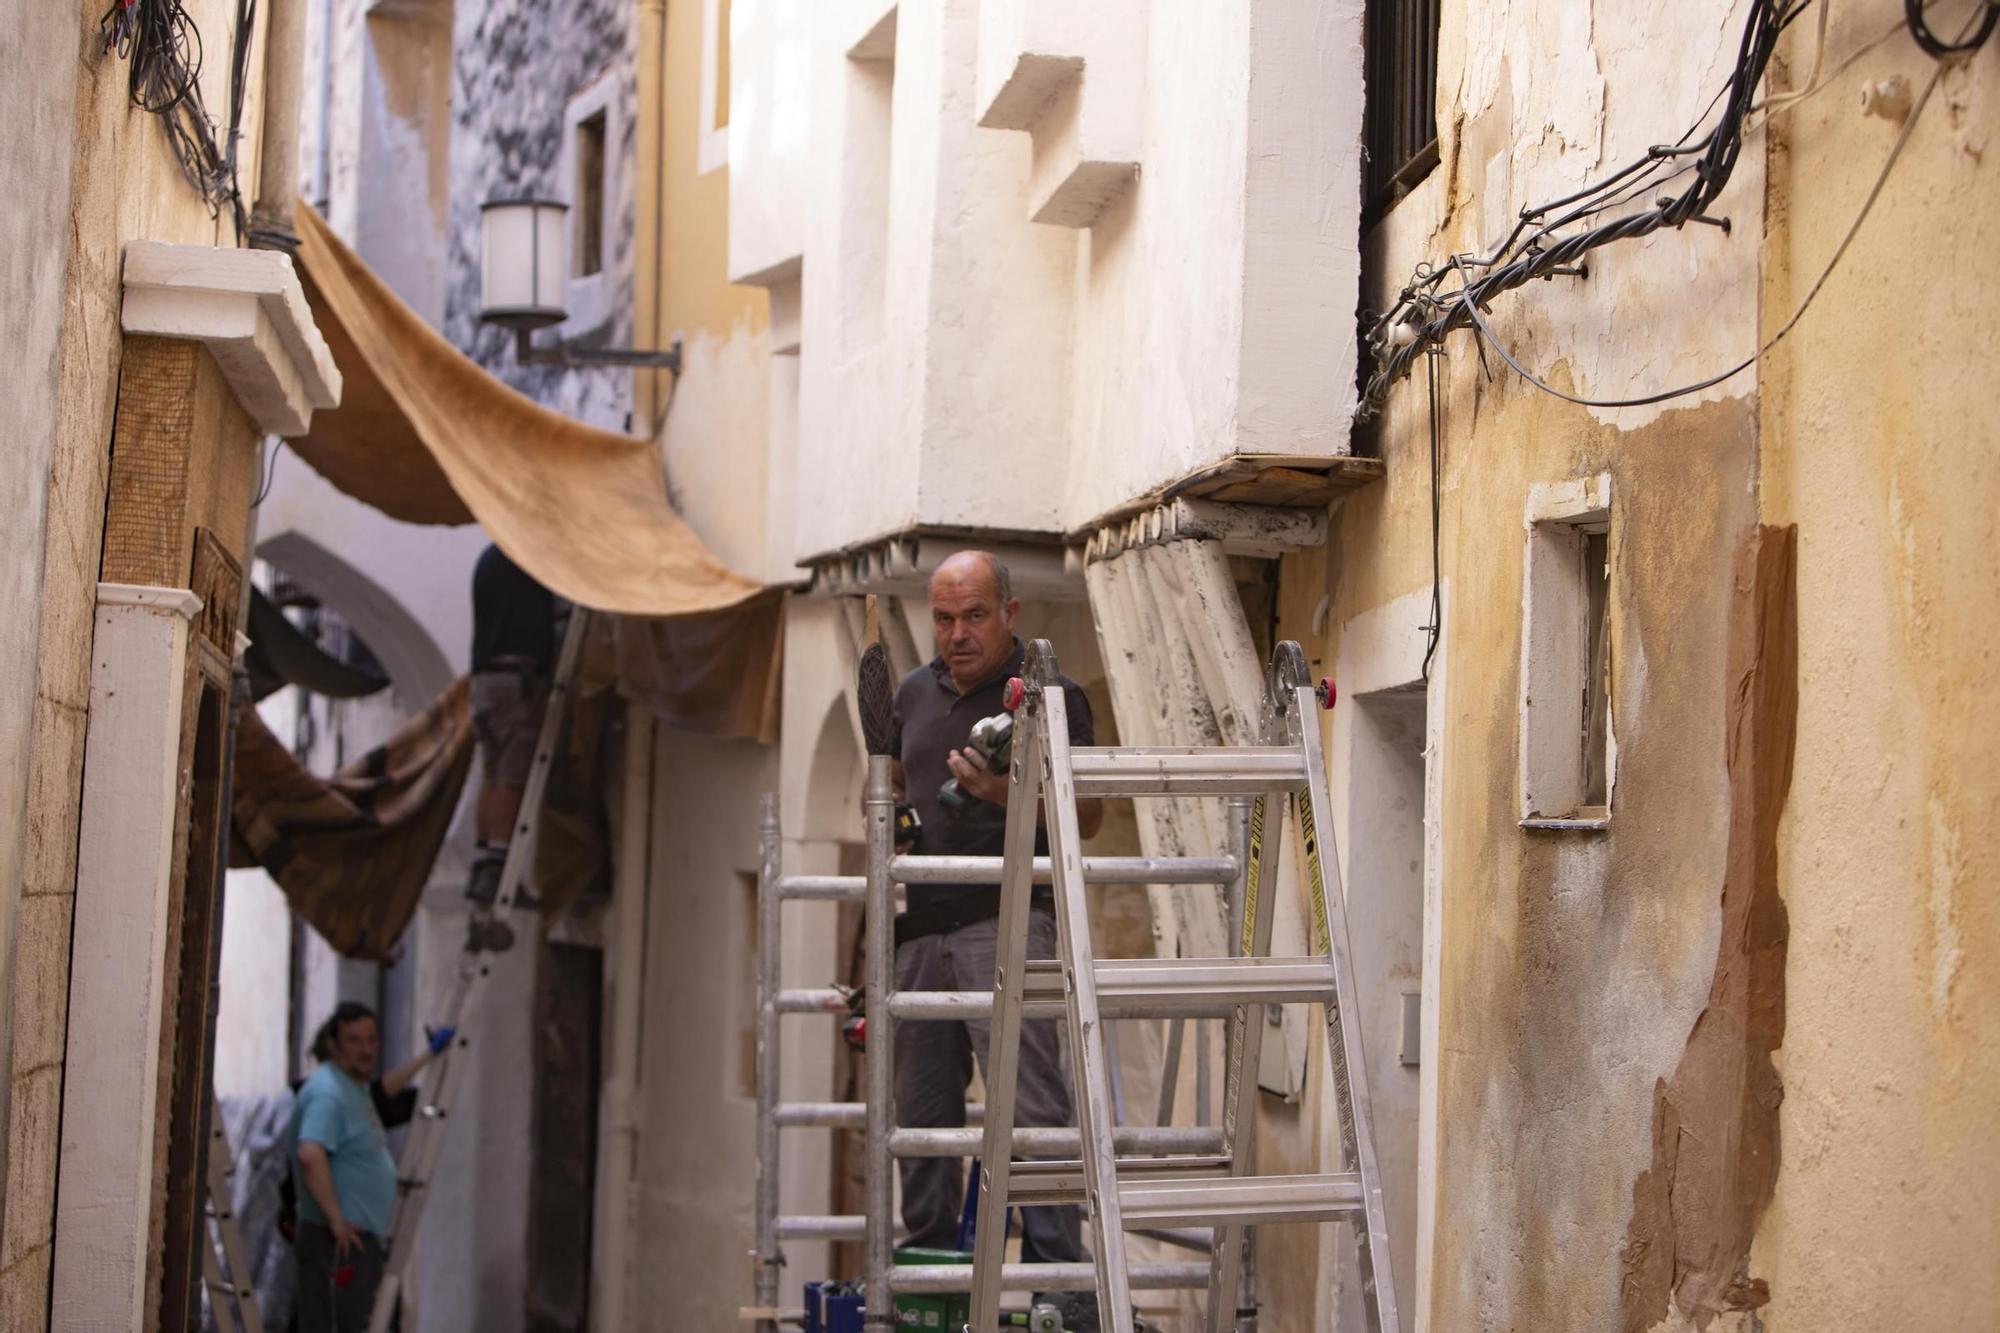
(945, 939)
(513, 651)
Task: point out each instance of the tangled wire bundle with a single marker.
(164, 48)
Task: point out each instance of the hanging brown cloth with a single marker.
(426, 435)
(353, 852)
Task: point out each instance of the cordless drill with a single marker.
(993, 738)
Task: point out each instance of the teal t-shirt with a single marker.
(339, 1114)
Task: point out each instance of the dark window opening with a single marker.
(590, 195)
(1597, 670)
(1399, 123)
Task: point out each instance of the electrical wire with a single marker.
(1426, 312)
(1485, 331)
(1435, 629)
(1971, 39)
(270, 471)
(164, 49)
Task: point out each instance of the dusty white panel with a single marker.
(125, 864)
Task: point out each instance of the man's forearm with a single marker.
(401, 1076)
(319, 1182)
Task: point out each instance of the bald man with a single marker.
(948, 936)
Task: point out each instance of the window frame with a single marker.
(1556, 668)
(1382, 190)
(589, 295)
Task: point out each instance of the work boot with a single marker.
(482, 886)
(485, 933)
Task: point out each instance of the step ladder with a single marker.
(887, 1008)
(225, 1267)
(1220, 1189)
(445, 1083)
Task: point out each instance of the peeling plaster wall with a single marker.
(1569, 965)
(106, 177)
(1572, 965)
(1879, 441)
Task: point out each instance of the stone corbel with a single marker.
(248, 309)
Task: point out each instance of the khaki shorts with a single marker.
(507, 713)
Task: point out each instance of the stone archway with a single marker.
(417, 667)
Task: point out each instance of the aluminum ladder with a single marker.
(886, 1008)
(425, 1142)
(1222, 1190)
(225, 1270)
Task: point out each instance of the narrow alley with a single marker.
(822, 666)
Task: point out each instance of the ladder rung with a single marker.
(837, 888)
(949, 1278)
(850, 1226)
(1096, 869)
(1239, 1200)
(1223, 770)
(1043, 999)
(1045, 1184)
(1181, 985)
(819, 1001)
(822, 1115)
(917, 1142)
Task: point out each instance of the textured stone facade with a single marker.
(517, 66)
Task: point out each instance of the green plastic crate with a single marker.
(945, 1312)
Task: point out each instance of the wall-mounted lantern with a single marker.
(523, 267)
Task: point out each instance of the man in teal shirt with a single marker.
(345, 1177)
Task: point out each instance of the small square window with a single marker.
(1568, 753)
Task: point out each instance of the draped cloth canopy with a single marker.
(426, 435)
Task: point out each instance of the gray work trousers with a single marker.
(934, 1067)
(336, 1295)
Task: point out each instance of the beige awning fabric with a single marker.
(426, 435)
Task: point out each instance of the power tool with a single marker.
(993, 738)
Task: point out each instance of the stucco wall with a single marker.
(1878, 439)
(107, 178)
(1572, 965)
(34, 153)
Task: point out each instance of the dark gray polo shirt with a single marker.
(934, 720)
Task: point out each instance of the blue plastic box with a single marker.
(833, 1307)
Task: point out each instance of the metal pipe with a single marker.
(970, 1006)
(823, 1000)
(949, 1278)
(879, 813)
(1170, 1070)
(768, 1258)
(278, 140)
(1096, 869)
(838, 1227)
(1058, 1141)
(824, 888)
(820, 1115)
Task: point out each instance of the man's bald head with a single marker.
(972, 616)
(961, 566)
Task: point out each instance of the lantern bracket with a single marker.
(529, 353)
